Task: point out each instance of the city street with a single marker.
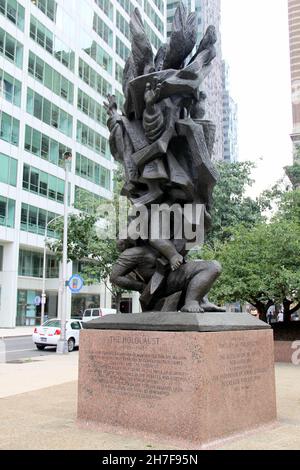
(19, 348)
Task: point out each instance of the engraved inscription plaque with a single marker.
(193, 386)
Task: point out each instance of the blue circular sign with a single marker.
(75, 283)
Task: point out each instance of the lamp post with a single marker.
(62, 345)
(44, 267)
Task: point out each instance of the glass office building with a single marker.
(229, 120)
(294, 39)
(58, 61)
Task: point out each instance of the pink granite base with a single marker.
(283, 351)
(196, 387)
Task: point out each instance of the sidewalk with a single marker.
(38, 373)
(28, 410)
(18, 331)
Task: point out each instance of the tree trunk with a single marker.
(262, 314)
(295, 309)
(262, 308)
(118, 298)
(287, 310)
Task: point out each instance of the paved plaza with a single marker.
(39, 398)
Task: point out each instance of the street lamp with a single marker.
(44, 267)
(62, 345)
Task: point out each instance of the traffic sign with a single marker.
(37, 300)
(75, 283)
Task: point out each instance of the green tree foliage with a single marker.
(260, 259)
(293, 172)
(231, 206)
(260, 266)
(289, 207)
(87, 242)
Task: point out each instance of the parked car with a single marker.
(93, 313)
(48, 333)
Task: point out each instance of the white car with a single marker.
(48, 333)
(93, 313)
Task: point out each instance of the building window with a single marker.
(29, 313)
(50, 78)
(149, 10)
(119, 73)
(10, 88)
(93, 79)
(49, 113)
(85, 200)
(92, 171)
(46, 39)
(9, 168)
(43, 184)
(49, 7)
(91, 139)
(7, 212)
(31, 265)
(42, 35)
(11, 48)
(127, 6)
(14, 12)
(107, 7)
(34, 220)
(123, 25)
(103, 31)
(121, 49)
(160, 5)
(96, 52)
(119, 99)
(91, 108)
(42, 146)
(155, 41)
(9, 129)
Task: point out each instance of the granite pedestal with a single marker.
(204, 377)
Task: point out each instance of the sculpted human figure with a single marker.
(137, 266)
(165, 146)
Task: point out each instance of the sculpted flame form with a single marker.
(165, 145)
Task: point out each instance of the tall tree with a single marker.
(231, 206)
(88, 241)
(260, 266)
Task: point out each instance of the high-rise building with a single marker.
(294, 32)
(230, 136)
(292, 171)
(58, 61)
(208, 13)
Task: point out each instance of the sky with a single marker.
(255, 44)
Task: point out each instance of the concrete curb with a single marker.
(17, 336)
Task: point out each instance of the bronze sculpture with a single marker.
(165, 145)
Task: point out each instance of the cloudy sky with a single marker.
(255, 45)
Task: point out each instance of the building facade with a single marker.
(208, 13)
(294, 33)
(230, 133)
(58, 61)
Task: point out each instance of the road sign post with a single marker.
(62, 345)
(75, 283)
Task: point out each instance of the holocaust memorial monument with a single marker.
(182, 368)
